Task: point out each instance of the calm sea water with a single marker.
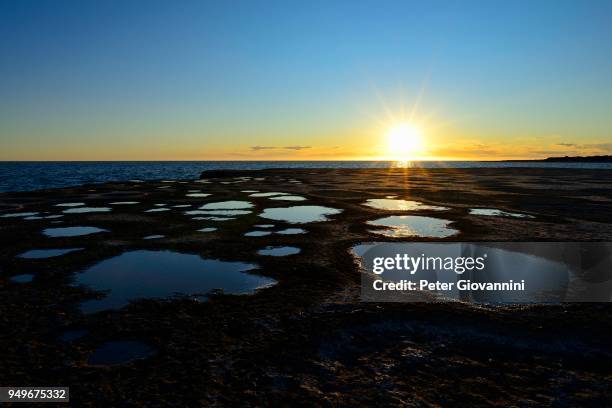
(26, 176)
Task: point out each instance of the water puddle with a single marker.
(552, 272)
(159, 274)
(213, 218)
(209, 229)
(227, 205)
(46, 253)
(154, 237)
(249, 191)
(498, 213)
(300, 214)
(120, 352)
(71, 231)
(289, 198)
(279, 251)
(125, 203)
(393, 204)
(218, 212)
(159, 209)
(257, 233)
(160, 205)
(82, 210)
(19, 214)
(413, 226)
(198, 195)
(69, 204)
(25, 278)
(270, 194)
(264, 226)
(181, 206)
(292, 231)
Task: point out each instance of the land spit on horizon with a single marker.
(304, 336)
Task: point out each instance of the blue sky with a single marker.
(189, 80)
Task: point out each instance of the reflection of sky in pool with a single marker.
(497, 213)
(72, 231)
(279, 251)
(288, 198)
(218, 212)
(552, 271)
(82, 210)
(257, 233)
(46, 253)
(413, 226)
(159, 274)
(25, 278)
(227, 205)
(291, 231)
(269, 194)
(299, 214)
(198, 195)
(208, 229)
(401, 205)
(19, 214)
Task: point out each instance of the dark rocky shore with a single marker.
(307, 340)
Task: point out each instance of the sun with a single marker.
(405, 140)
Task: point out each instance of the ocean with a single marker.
(28, 176)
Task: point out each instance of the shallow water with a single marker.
(218, 212)
(69, 204)
(497, 213)
(154, 237)
(552, 271)
(46, 253)
(125, 203)
(270, 194)
(71, 231)
(120, 352)
(25, 278)
(159, 274)
(264, 226)
(227, 205)
(413, 226)
(209, 229)
(213, 218)
(82, 210)
(300, 214)
(159, 209)
(198, 195)
(279, 251)
(292, 231)
(401, 205)
(19, 214)
(289, 198)
(257, 233)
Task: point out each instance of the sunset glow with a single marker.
(405, 142)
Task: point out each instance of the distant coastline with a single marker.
(571, 159)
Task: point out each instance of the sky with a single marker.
(303, 80)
